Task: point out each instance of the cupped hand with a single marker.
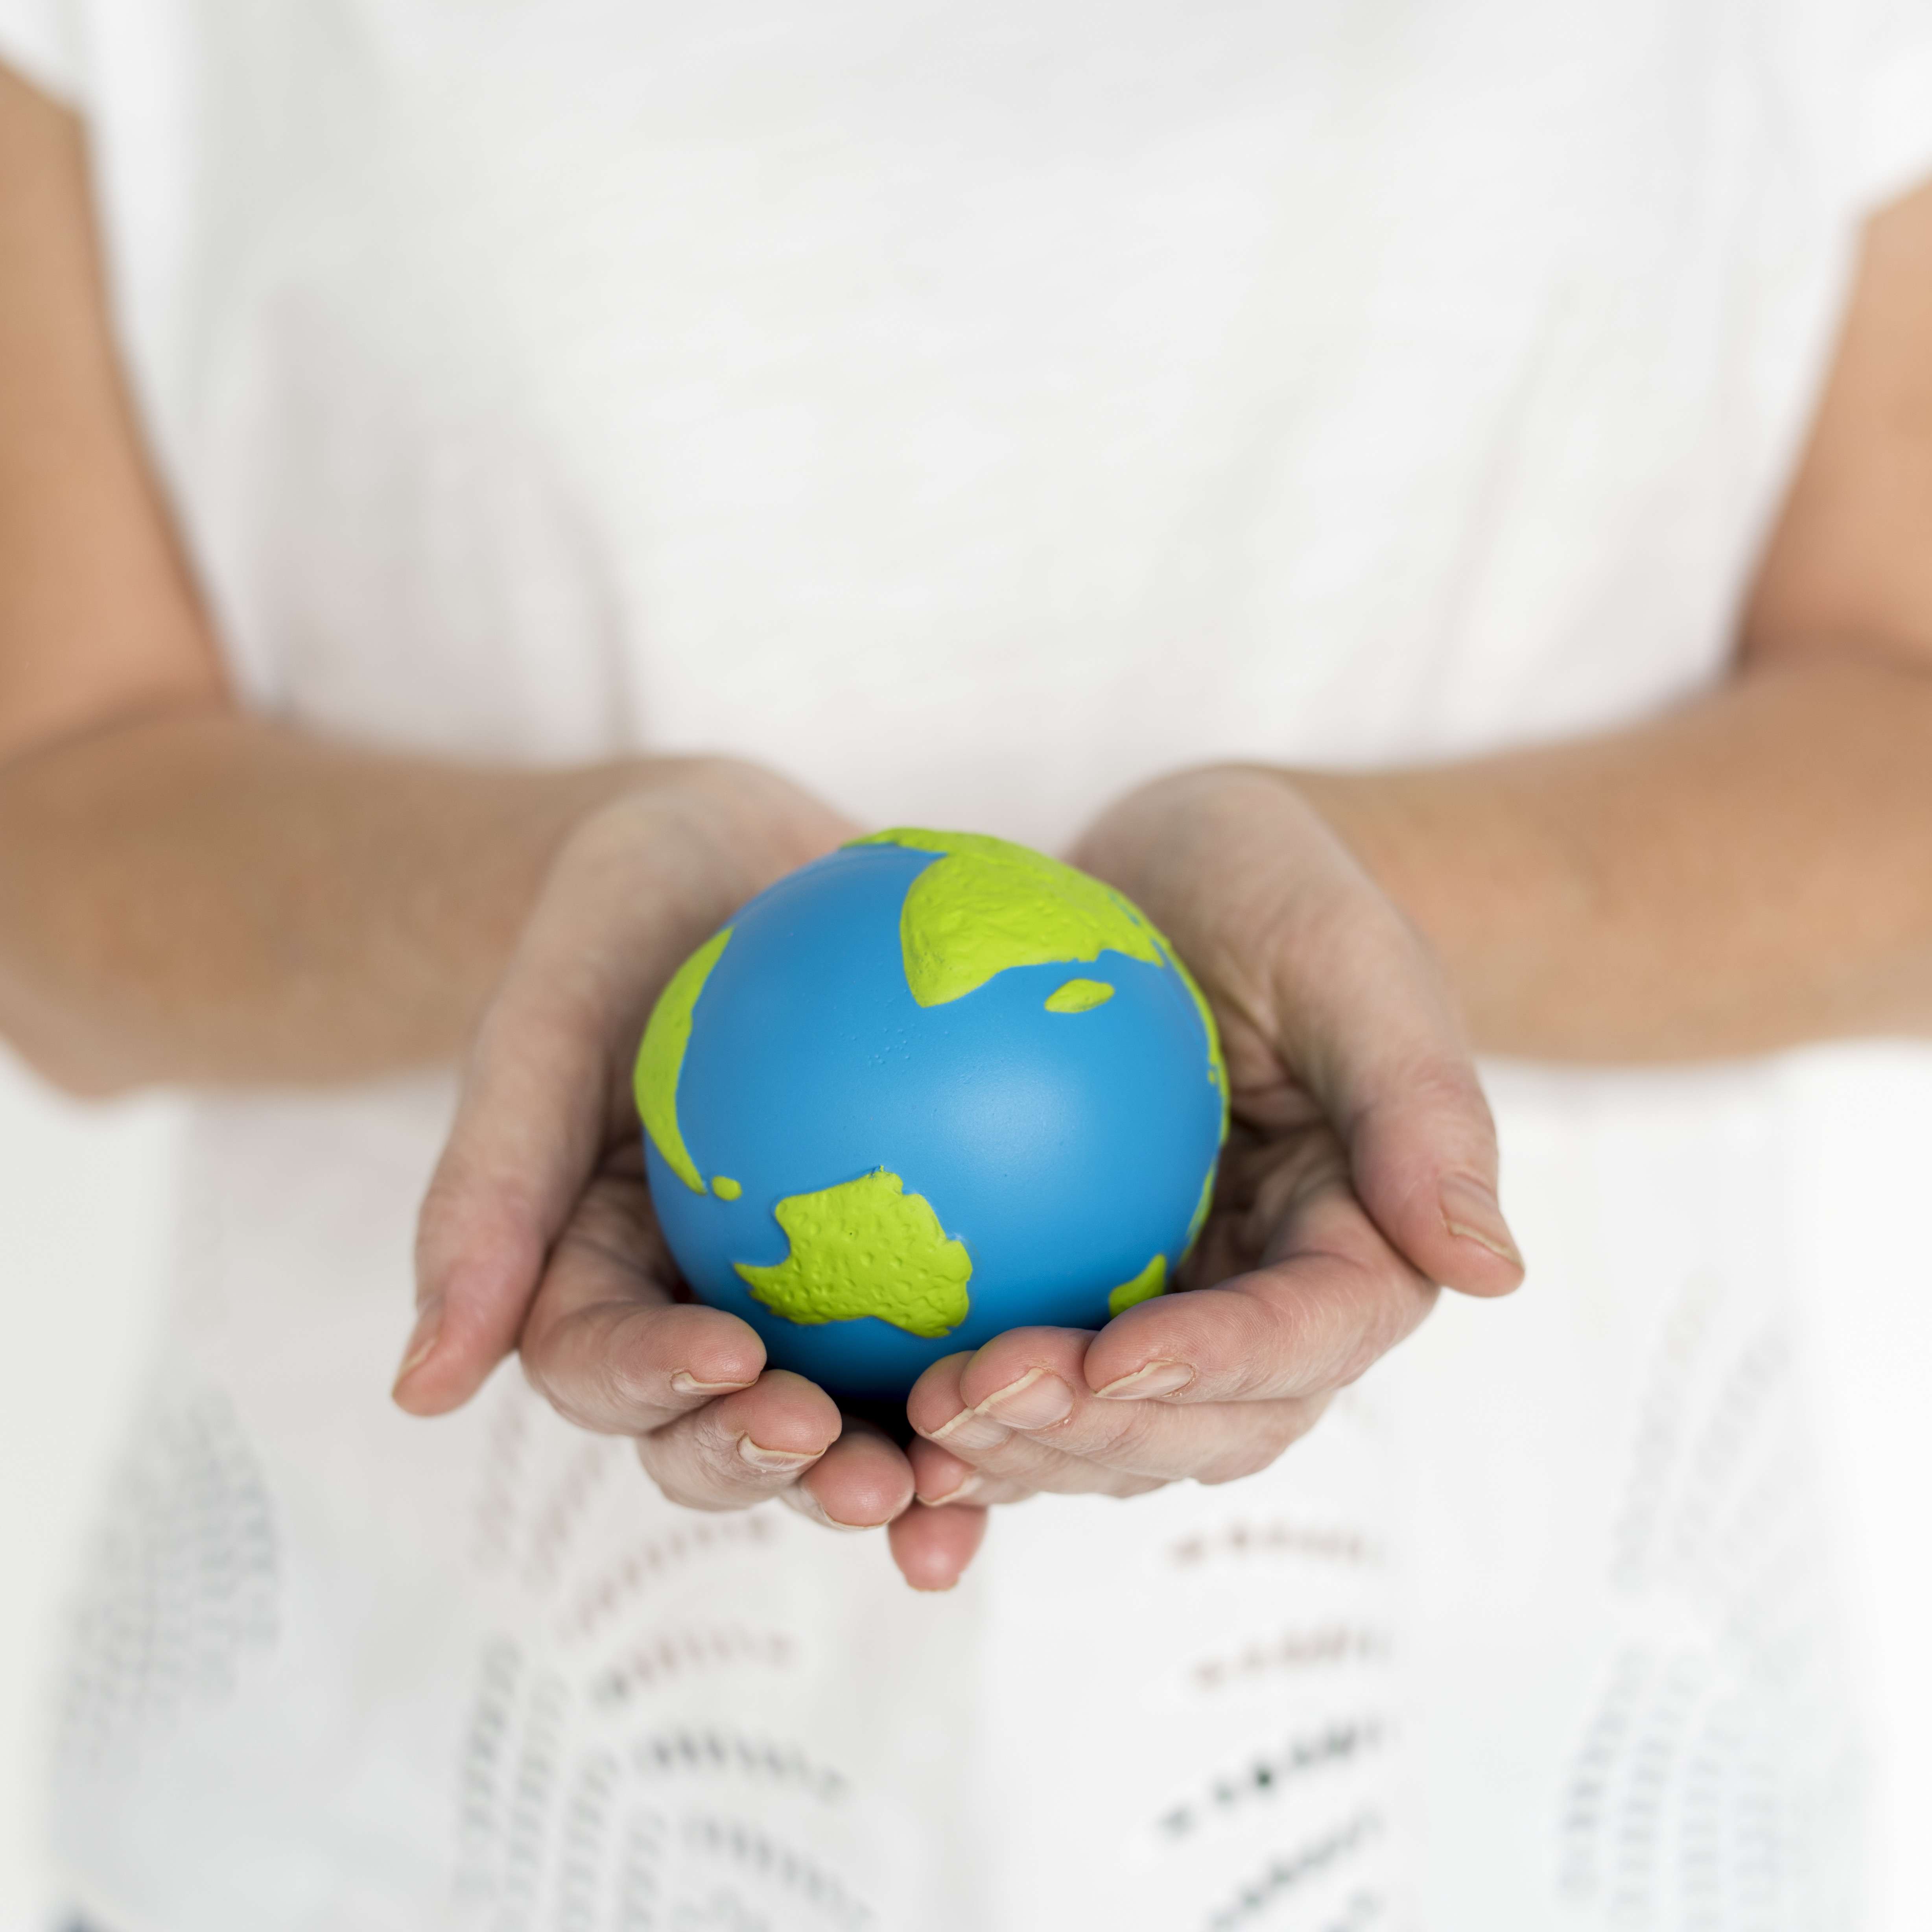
(537, 1232)
(1359, 1174)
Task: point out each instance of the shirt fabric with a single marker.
(972, 412)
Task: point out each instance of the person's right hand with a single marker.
(538, 1232)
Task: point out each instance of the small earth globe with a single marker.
(931, 1087)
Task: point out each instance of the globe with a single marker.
(928, 1088)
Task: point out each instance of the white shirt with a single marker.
(972, 411)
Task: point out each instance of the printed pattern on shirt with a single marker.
(1711, 1785)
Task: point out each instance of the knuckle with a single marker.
(1018, 1459)
(549, 1376)
(576, 1381)
(1450, 1087)
(685, 1479)
(715, 1450)
(1120, 1430)
(1322, 1341)
(1261, 1442)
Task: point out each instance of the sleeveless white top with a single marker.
(972, 410)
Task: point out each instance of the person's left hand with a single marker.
(1361, 1172)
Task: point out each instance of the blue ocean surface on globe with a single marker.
(1066, 1152)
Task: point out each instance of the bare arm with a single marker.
(188, 893)
(1755, 870)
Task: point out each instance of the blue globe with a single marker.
(929, 1088)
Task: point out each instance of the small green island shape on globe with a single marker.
(919, 1127)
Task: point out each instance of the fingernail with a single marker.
(969, 1430)
(422, 1339)
(1038, 1400)
(685, 1383)
(1156, 1378)
(1471, 1211)
(774, 1462)
(967, 1484)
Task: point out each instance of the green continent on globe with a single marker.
(661, 1058)
(1199, 1219)
(866, 1247)
(1152, 1280)
(1078, 996)
(987, 906)
(1217, 1062)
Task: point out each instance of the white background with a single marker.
(83, 1222)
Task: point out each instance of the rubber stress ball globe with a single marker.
(931, 1087)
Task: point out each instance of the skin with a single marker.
(190, 893)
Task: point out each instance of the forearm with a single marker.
(1751, 872)
(198, 895)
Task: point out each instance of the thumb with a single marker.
(541, 1090)
(529, 1133)
(1311, 962)
(1379, 1042)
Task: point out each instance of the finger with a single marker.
(1324, 1295)
(1330, 1296)
(1314, 967)
(542, 1091)
(1025, 1378)
(1212, 1384)
(1365, 1017)
(528, 1131)
(933, 1546)
(1289, 1231)
(738, 1450)
(1296, 1328)
(1422, 1149)
(942, 1479)
(620, 1369)
(966, 1454)
(1130, 1449)
(1003, 1412)
(530, 1128)
(1053, 1433)
(607, 1345)
(862, 1482)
